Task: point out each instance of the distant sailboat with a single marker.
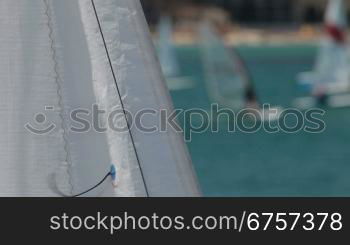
(228, 80)
(331, 74)
(168, 58)
(63, 55)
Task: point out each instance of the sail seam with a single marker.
(120, 97)
(58, 80)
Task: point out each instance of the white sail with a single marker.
(228, 80)
(168, 58)
(226, 77)
(64, 55)
(167, 55)
(336, 14)
(332, 63)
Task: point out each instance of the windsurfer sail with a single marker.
(167, 53)
(227, 77)
(168, 59)
(331, 74)
(329, 82)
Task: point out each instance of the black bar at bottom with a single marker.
(165, 220)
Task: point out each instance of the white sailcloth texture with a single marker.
(333, 61)
(58, 56)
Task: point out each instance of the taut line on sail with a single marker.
(121, 100)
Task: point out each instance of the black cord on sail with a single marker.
(121, 100)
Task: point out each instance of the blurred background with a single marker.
(277, 39)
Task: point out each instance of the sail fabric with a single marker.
(46, 63)
(167, 55)
(336, 21)
(334, 48)
(333, 60)
(26, 70)
(162, 156)
(54, 61)
(226, 76)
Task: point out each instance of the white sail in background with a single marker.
(57, 56)
(168, 59)
(227, 78)
(167, 54)
(332, 65)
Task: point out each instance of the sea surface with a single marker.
(264, 164)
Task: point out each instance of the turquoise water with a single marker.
(262, 164)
